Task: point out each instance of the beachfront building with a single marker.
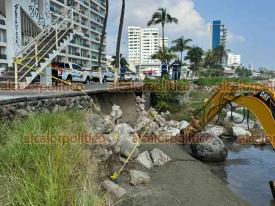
(28, 31)
(3, 43)
(219, 34)
(89, 17)
(142, 44)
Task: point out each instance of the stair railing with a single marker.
(63, 23)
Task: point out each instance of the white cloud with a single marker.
(138, 13)
(235, 38)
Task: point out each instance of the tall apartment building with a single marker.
(22, 20)
(219, 34)
(89, 17)
(134, 44)
(3, 43)
(142, 44)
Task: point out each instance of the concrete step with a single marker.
(6, 78)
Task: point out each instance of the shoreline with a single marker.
(183, 181)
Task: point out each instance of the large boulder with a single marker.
(97, 124)
(215, 130)
(128, 148)
(183, 124)
(240, 132)
(122, 137)
(239, 119)
(209, 149)
(21, 113)
(139, 177)
(116, 113)
(114, 189)
(159, 158)
(145, 159)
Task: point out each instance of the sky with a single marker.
(250, 24)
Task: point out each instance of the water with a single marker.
(247, 172)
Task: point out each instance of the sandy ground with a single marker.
(183, 181)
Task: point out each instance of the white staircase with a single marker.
(40, 52)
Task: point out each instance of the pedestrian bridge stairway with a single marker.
(39, 53)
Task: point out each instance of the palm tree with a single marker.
(164, 55)
(120, 34)
(194, 55)
(162, 17)
(180, 45)
(103, 33)
(209, 59)
(221, 53)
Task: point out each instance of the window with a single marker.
(76, 67)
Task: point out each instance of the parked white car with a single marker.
(130, 76)
(102, 74)
(109, 74)
(71, 72)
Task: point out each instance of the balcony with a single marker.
(2, 22)
(3, 56)
(61, 1)
(86, 45)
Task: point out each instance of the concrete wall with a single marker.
(23, 107)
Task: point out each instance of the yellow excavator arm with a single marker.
(258, 99)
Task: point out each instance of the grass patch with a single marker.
(47, 174)
(191, 108)
(213, 81)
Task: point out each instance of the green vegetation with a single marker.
(243, 72)
(194, 55)
(192, 107)
(213, 81)
(164, 55)
(180, 45)
(46, 174)
(165, 92)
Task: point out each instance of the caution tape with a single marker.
(116, 174)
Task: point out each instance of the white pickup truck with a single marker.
(102, 74)
(70, 72)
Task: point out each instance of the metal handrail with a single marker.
(43, 32)
(42, 56)
(36, 45)
(65, 17)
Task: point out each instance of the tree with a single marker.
(209, 59)
(121, 22)
(221, 53)
(194, 55)
(164, 55)
(180, 45)
(103, 33)
(162, 17)
(243, 72)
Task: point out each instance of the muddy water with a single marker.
(247, 173)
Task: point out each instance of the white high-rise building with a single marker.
(165, 42)
(3, 43)
(233, 59)
(134, 45)
(149, 45)
(142, 44)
